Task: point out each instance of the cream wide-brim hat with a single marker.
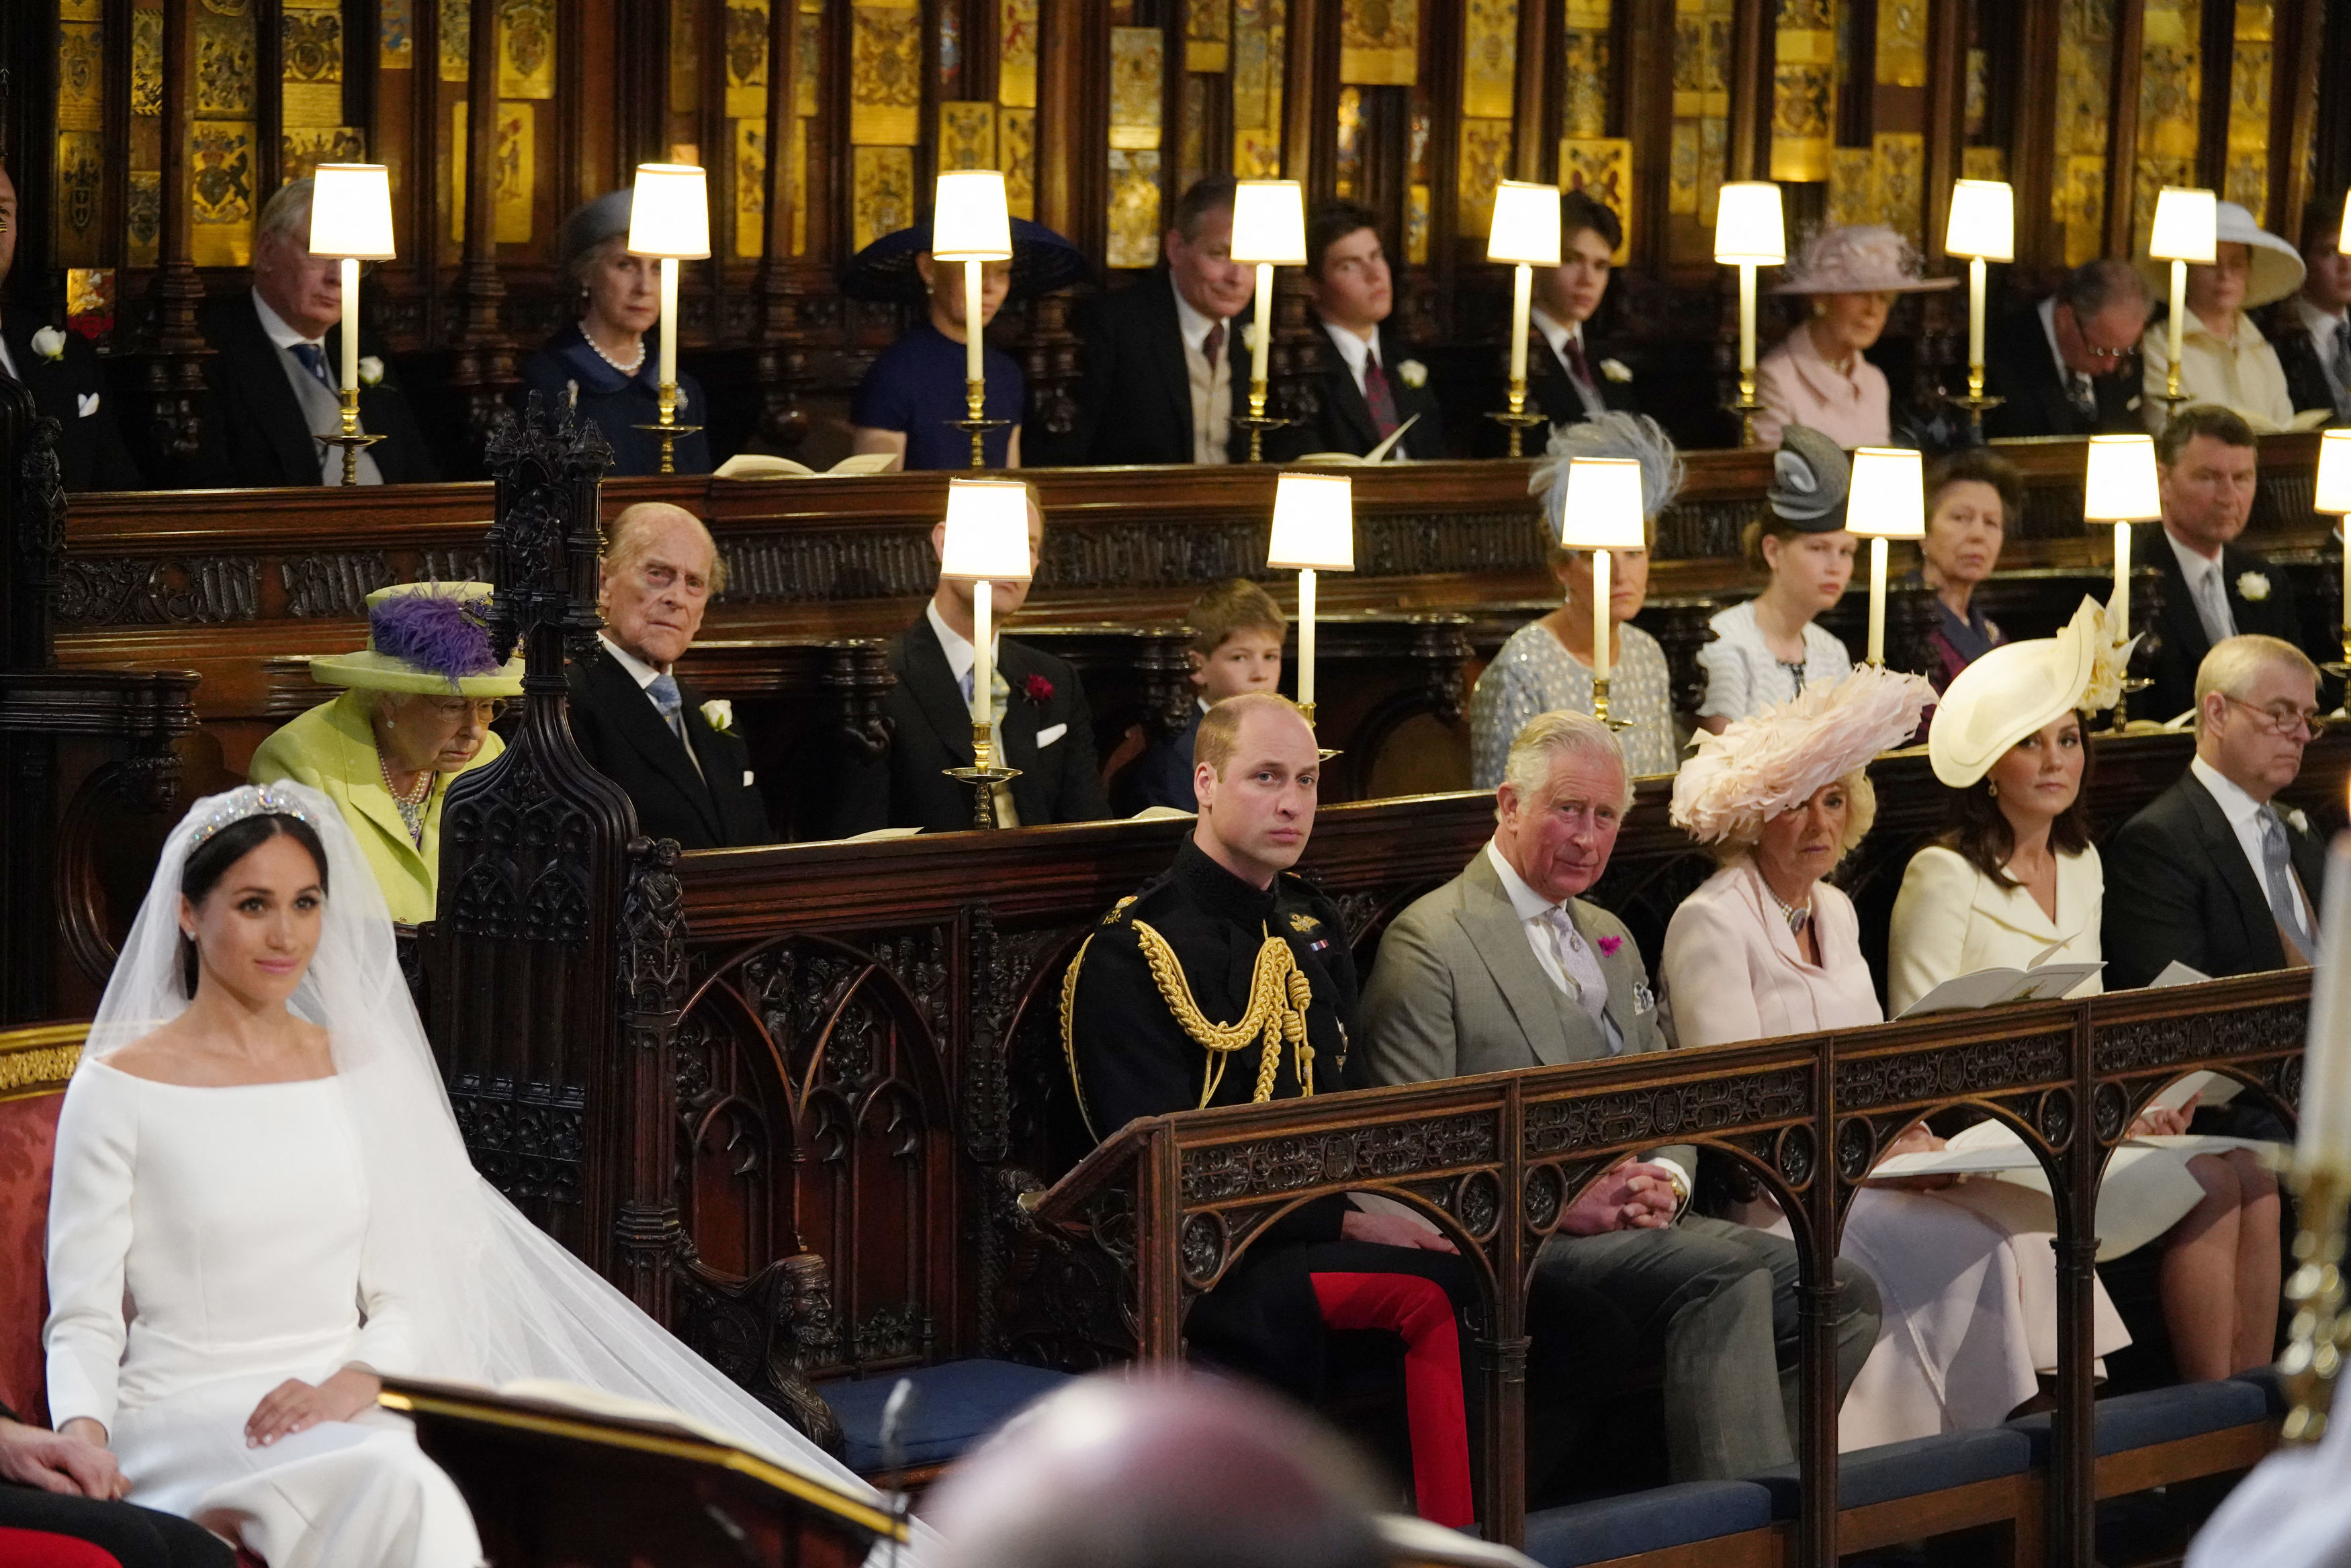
(371, 670)
(2277, 270)
(2009, 693)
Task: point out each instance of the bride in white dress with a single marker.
(261, 1202)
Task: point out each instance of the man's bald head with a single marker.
(1255, 772)
(659, 570)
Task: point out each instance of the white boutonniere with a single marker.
(2252, 588)
(1412, 372)
(719, 714)
(49, 343)
(2294, 818)
(1616, 369)
(371, 370)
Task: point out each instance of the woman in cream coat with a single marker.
(2017, 877)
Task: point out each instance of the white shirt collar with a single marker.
(1558, 334)
(1189, 320)
(643, 674)
(2320, 323)
(2235, 804)
(273, 323)
(1354, 350)
(2193, 563)
(958, 646)
(1525, 901)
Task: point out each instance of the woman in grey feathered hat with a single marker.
(1547, 663)
(1769, 649)
(602, 365)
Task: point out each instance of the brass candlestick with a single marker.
(976, 423)
(1975, 402)
(1747, 407)
(1257, 423)
(1600, 705)
(1516, 419)
(2314, 1340)
(670, 431)
(349, 437)
(983, 775)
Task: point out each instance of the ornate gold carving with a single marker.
(81, 77)
(526, 48)
(883, 180)
(1207, 34)
(1016, 53)
(82, 162)
(220, 228)
(1901, 180)
(301, 148)
(395, 34)
(1485, 164)
(750, 162)
(966, 136)
(1016, 151)
(1490, 59)
(1803, 90)
(514, 173)
(1602, 168)
(2246, 180)
(1259, 30)
(1379, 42)
(747, 58)
(143, 217)
(1584, 107)
(1984, 163)
(37, 1069)
(885, 76)
(1133, 207)
(1135, 85)
(2170, 91)
(147, 61)
(310, 48)
(685, 55)
(456, 40)
(1902, 43)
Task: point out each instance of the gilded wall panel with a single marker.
(881, 181)
(81, 77)
(457, 39)
(2248, 178)
(1701, 105)
(1902, 43)
(750, 164)
(301, 148)
(224, 51)
(1489, 58)
(684, 57)
(514, 173)
(1602, 168)
(2085, 45)
(1135, 85)
(80, 176)
(812, 51)
(1015, 150)
(2169, 92)
(1984, 163)
(81, 10)
(1379, 42)
(1207, 35)
(1259, 30)
(1192, 130)
(147, 61)
(144, 217)
(1485, 162)
(310, 53)
(966, 136)
(1803, 90)
(1016, 53)
(1900, 158)
(1681, 174)
(219, 193)
(526, 48)
(1852, 186)
(1416, 225)
(1257, 154)
(395, 34)
(887, 77)
(1133, 207)
(1584, 105)
(746, 59)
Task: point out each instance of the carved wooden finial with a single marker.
(544, 545)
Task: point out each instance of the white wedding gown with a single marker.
(205, 1245)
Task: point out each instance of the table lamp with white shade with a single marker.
(669, 218)
(986, 543)
(1888, 501)
(1313, 531)
(971, 222)
(1604, 510)
(2186, 229)
(2334, 496)
(351, 219)
(1269, 231)
(1982, 228)
(2320, 1172)
(1750, 230)
(1525, 234)
(2119, 486)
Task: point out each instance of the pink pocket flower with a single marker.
(1608, 946)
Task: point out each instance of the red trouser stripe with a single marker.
(1418, 1310)
(41, 1549)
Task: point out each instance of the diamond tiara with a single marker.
(248, 800)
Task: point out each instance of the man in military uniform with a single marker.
(1226, 980)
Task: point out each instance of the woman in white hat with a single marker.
(2223, 357)
(2016, 877)
(1768, 947)
(415, 713)
(1816, 376)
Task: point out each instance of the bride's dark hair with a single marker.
(210, 861)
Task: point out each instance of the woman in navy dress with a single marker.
(602, 366)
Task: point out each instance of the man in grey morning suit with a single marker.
(1505, 967)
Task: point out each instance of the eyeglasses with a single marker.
(457, 710)
(2282, 721)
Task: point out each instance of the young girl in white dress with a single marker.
(261, 1203)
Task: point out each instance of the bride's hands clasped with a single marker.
(294, 1406)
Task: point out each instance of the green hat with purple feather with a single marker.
(427, 637)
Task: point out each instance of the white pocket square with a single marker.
(88, 402)
(747, 778)
(1050, 733)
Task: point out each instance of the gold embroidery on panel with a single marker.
(1490, 59)
(2170, 91)
(220, 227)
(1016, 53)
(1852, 186)
(2246, 180)
(301, 148)
(746, 59)
(1485, 164)
(1902, 43)
(310, 52)
(395, 35)
(81, 77)
(1015, 150)
(750, 188)
(2085, 43)
(1602, 168)
(1379, 42)
(224, 66)
(886, 76)
(143, 216)
(526, 48)
(1803, 90)
(882, 180)
(1207, 34)
(1584, 107)
(1133, 207)
(457, 39)
(1135, 86)
(1901, 178)
(966, 136)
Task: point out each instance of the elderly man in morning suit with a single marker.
(1507, 967)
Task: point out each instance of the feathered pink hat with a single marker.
(1775, 760)
(1859, 258)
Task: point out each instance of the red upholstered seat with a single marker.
(34, 1066)
(39, 1549)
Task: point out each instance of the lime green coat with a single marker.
(331, 748)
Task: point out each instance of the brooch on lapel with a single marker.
(1037, 688)
(1302, 923)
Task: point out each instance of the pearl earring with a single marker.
(1991, 789)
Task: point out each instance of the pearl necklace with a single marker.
(598, 350)
(1797, 918)
(411, 807)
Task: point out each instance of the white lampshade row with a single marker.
(1314, 524)
(351, 211)
(1269, 223)
(1983, 221)
(1888, 498)
(1526, 224)
(669, 212)
(1749, 224)
(988, 531)
(970, 220)
(2120, 486)
(2333, 473)
(1604, 506)
(2187, 224)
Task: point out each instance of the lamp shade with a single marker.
(2187, 224)
(2333, 473)
(1603, 510)
(351, 211)
(2119, 486)
(1314, 524)
(1749, 225)
(1270, 222)
(1888, 498)
(1526, 224)
(988, 531)
(970, 219)
(1983, 221)
(669, 212)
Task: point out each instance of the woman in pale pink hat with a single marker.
(1817, 376)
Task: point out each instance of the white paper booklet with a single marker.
(1991, 987)
(1377, 455)
(759, 465)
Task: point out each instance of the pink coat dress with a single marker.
(1797, 387)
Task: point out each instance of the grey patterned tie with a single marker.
(1585, 978)
(662, 689)
(2212, 606)
(2277, 877)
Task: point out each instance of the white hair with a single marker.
(1561, 732)
(286, 213)
(2236, 662)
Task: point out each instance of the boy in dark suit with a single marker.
(1368, 387)
(1237, 633)
(677, 756)
(67, 383)
(1571, 378)
(2311, 330)
(1043, 727)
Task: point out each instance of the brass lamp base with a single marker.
(1325, 752)
(349, 437)
(667, 428)
(1257, 425)
(982, 777)
(1976, 403)
(2121, 719)
(1517, 422)
(1600, 706)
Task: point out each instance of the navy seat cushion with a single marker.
(2272, 1387)
(955, 1405)
(1650, 1521)
(2156, 1416)
(1920, 1465)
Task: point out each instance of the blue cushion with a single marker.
(1640, 1521)
(955, 1405)
(1910, 1468)
(2141, 1420)
(2272, 1386)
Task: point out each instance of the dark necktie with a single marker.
(314, 360)
(2343, 368)
(1574, 353)
(2277, 877)
(1213, 345)
(1379, 395)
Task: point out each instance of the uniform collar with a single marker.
(1218, 890)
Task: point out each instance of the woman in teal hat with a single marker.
(415, 713)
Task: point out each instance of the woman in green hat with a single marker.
(416, 713)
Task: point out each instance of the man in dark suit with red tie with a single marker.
(1369, 386)
(1571, 378)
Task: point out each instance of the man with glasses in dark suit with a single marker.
(2069, 365)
